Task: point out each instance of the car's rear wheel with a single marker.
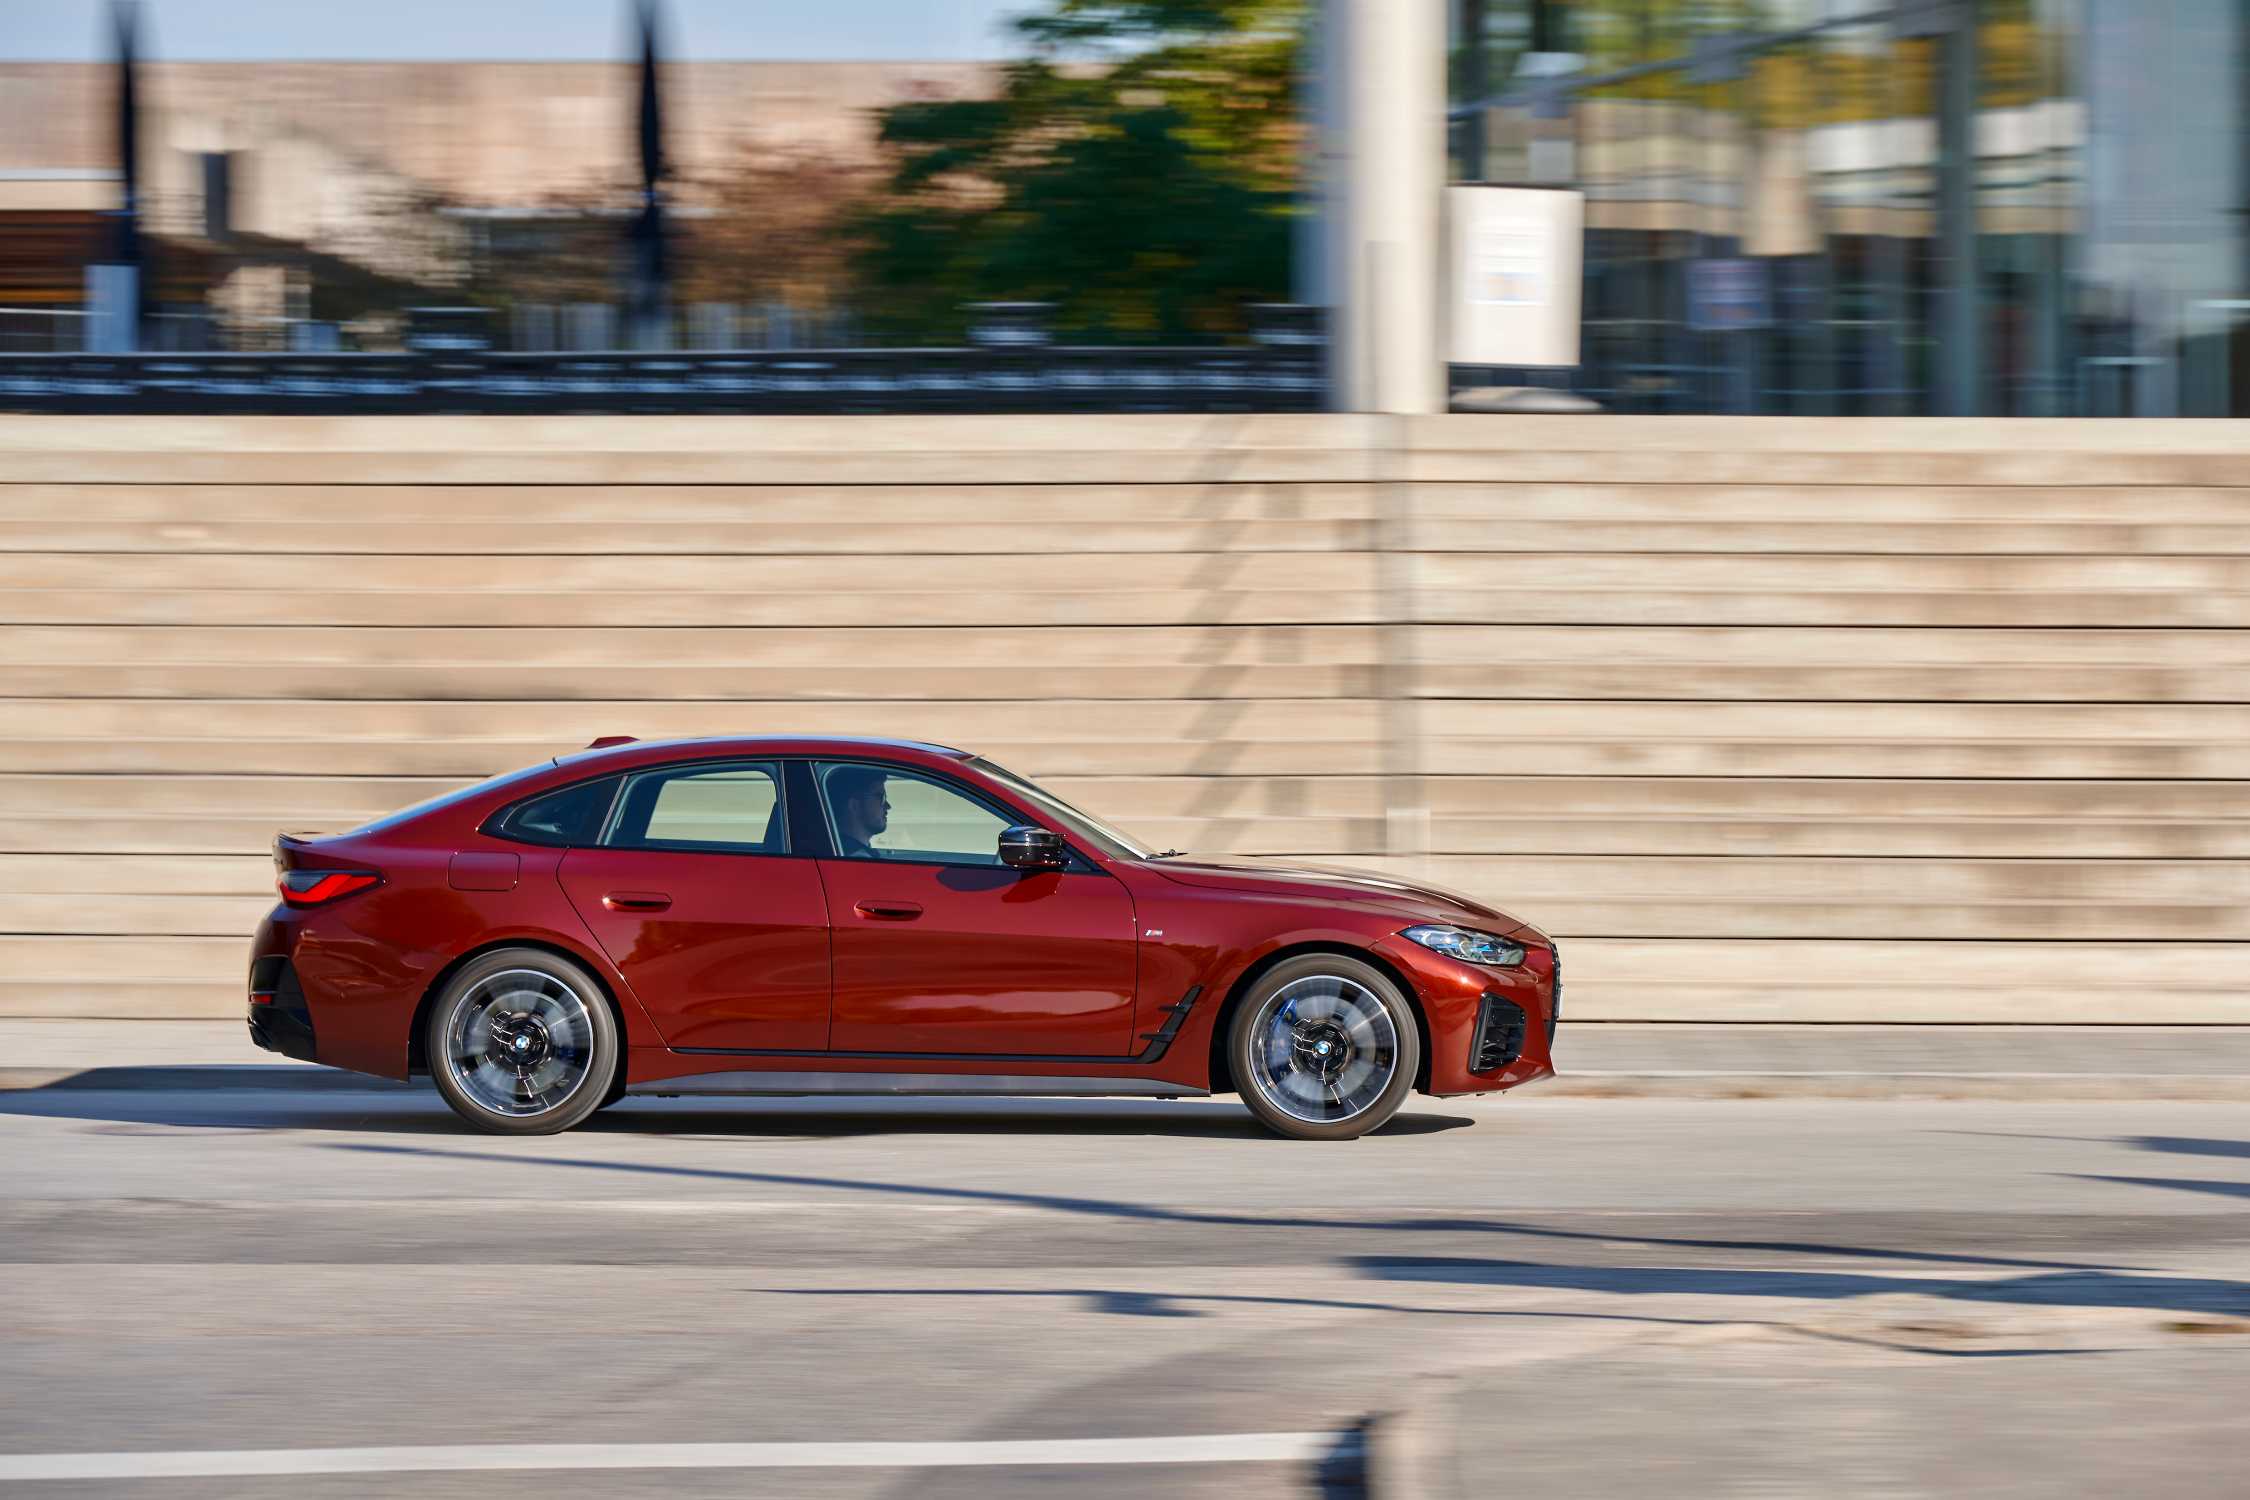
(1325, 1048)
(521, 1042)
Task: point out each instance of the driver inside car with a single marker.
(863, 810)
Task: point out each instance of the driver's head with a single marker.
(862, 805)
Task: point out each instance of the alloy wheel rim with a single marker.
(520, 1043)
(1323, 1049)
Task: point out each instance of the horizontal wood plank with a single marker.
(1789, 719)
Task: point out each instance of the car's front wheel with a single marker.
(1325, 1048)
(521, 1042)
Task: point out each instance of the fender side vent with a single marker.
(1499, 1037)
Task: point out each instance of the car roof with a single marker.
(637, 752)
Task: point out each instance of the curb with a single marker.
(2029, 1087)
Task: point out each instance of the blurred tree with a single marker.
(561, 250)
(768, 229)
(1138, 170)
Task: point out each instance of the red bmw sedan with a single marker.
(807, 916)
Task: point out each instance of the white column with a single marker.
(1382, 118)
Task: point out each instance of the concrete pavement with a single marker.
(296, 1273)
(1750, 1413)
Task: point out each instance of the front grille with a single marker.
(1499, 1038)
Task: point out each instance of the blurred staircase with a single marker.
(1769, 719)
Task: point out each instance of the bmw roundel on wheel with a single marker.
(794, 916)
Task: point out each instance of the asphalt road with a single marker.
(275, 1272)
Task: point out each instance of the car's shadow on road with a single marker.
(407, 1111)
(1225, 1121)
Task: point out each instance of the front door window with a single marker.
(883, 813)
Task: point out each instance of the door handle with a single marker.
(636, 901)
(889, 911)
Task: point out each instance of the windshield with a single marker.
(1103, 837)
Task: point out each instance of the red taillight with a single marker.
(319, 887)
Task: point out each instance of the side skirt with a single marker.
(913, 1083)
(1159, 1043)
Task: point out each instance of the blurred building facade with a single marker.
(285, 193)
(1948, 207)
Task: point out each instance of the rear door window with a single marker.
(731, 808)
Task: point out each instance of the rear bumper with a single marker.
(290, 1036)
(338, 996)
(280, 1020)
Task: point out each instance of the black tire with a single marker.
(1351, 1007)
(568, 1045)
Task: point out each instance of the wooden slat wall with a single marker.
(1771, 720)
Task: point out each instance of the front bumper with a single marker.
(1489, 1029)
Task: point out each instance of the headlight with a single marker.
(1468, 945)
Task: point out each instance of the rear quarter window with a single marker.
(454, 798)
(569, 817)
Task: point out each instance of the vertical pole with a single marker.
(1476, 87)
(114, 292)
(648, 310)
(1311, 283)
(1959, 389)
(1406, 803)
(2235, 398)
(1383, 159)
(1382, 98)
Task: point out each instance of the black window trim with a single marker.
(791, 817)
(775, 764)
(496, 825)
(1011, 817)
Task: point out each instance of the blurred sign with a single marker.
(111, 302)
(1726, 294)
(1516, 263)
(435, 330)
(1010, 325)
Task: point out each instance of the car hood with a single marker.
(1410, 899)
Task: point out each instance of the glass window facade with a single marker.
(1947, 207)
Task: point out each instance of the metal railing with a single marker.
(1266, 377)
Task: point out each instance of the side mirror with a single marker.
(1025, 847)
